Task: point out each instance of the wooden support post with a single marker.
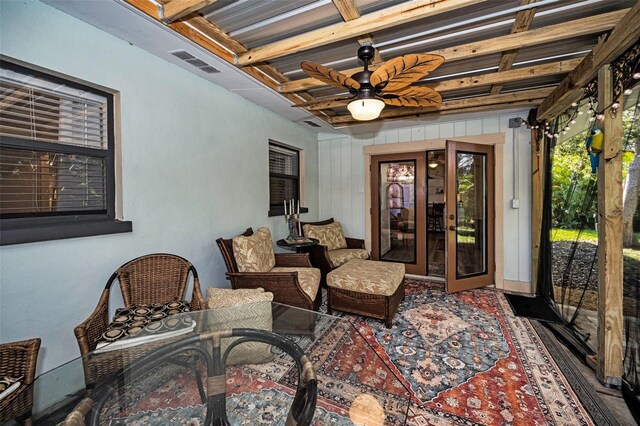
(610, 314)
(537, 189)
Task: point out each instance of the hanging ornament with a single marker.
(594, 147)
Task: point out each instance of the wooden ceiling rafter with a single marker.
(366, 24)
(503, 100)
(498, 77)
(349, 11)
(575, 28)
(213, 39)
(522, 23)
(570, 89)
(182, 16)
(176, 9)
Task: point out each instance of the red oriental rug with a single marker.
(464, 359)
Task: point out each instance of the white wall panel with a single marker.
(446, 130)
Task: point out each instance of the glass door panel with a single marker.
(436, 231)
(471, 207)
(397, 209)
(398, 212)
(469, 216)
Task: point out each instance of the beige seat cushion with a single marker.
(367, 276)
(255, 252)
(328, 235)
(242, 308)
(309, 278)
(342, 256)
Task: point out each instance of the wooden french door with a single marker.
(469, 215)
(398, 210)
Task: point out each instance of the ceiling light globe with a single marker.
(365, 109)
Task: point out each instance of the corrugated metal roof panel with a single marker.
(571, 10)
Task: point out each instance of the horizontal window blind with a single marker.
(283, 161)
(48, 182)
(54, 146)
(35, 109)
(283, 175)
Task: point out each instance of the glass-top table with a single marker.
(354, 384)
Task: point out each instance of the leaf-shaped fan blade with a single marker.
(415, 97)
(329, 76)
(402, 71)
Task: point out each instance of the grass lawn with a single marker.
(558, 234)
(590, 235)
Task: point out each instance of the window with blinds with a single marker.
(56, 146)
(284, 175)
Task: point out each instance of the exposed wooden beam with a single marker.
(625, 33)
(522, 23)
(349, 11)
(499, 77)
(523, 97)
(371, 22)
(610, 259)
(176, 9)
(575, 28)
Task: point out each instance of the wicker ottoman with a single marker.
(367, 287)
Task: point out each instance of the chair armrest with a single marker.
(355, 243)
(88, 332)
(293, 260)
(320, 258)
(197, 302)
(284, 286)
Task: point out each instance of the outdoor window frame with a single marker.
(17, 228)
(277, 208)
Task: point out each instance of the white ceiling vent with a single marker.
(196, 62)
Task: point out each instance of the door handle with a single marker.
(452, 227)
(452, 217)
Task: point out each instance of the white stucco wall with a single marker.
(194, 168)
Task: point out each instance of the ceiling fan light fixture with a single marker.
(433, 164)
(365, 109)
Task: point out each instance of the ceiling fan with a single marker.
(389, 84)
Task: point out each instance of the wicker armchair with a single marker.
(321, 257)
(154, 278)
(285, 286)
(18, 360)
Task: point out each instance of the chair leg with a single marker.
(201, 391)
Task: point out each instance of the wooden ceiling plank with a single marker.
(624, 34)
(500, 77)
(576, 28)
(369, 23)
(176, 9)
(523, 97)
(211, 30)
(349, 11)
(522, 23)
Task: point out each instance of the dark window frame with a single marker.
(277, 209)
(27, 228)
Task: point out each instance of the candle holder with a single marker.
(293, 222)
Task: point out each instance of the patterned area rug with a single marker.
(465, 359)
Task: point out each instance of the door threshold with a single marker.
(427, 277)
